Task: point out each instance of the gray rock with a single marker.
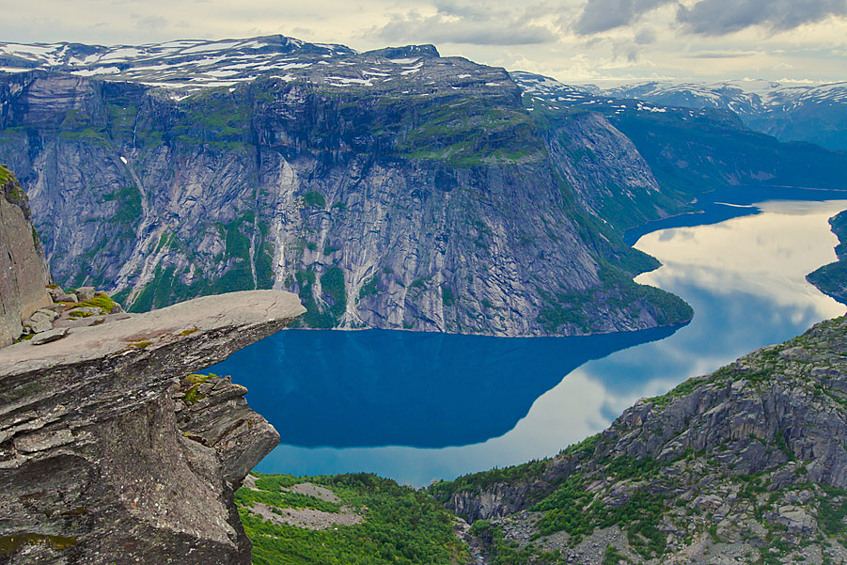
(50, 313)
(91, 310)
(91, 448)
(85, 292)
(40, 322)
(22, 263)
(66, 297)
(49, 336)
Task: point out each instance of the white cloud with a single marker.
(572, 40)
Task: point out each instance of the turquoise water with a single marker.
(419, 407)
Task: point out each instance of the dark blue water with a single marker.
(378, 387)
(418, 407)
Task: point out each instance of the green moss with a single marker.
(5, 175)
(78, 314)
(100, 300)
(314, 199)
(192, 395)
(9, 545)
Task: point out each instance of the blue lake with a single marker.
(418, 407)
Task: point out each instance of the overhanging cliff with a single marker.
(102, 458)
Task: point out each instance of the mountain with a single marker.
(393, 189)
(788, 111)
(692, 151)
(747, 465)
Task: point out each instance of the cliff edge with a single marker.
(107, 457)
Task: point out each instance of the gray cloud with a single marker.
(721, 54)
(602, 15)
(719, 17)
(149, 23)
(645, 36)
(456, 23)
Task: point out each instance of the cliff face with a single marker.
(743, 465)
(23, 268)
(392, 189)
(106, 457)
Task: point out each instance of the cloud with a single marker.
(459, 23)
(645, 36)
(722, 54)
(720, 17)
(602, 15)
(149, 23)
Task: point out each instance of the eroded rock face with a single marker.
(23, 269)
(94, 465)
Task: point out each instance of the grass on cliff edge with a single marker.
(400, 525)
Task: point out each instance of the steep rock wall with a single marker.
(435, 208)
(23, 268)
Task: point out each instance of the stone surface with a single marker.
(23, 272)
(91, 452)
(49, 336)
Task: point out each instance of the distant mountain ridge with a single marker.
(392, 189)
(816, 113)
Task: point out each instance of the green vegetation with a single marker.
(314, 199)
(478, 482)
(369, 288)
(447, 297)
(399, 525)
(613, 556)
(192, 395)
(129, 210)
(327, 312)
(5, 175)
(616, 291)
(12, 544)
(101, 300)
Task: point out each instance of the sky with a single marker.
(573, 41)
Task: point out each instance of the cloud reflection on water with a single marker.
(745, 279)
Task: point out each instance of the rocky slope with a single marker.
(22, 263)
(747, 465)
(109, 455)
(393, 189)
(832, 278)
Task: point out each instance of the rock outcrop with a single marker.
(102, 460)
(831, 279)
(23, 268)
(748, 465)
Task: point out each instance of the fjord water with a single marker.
(418, 407)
